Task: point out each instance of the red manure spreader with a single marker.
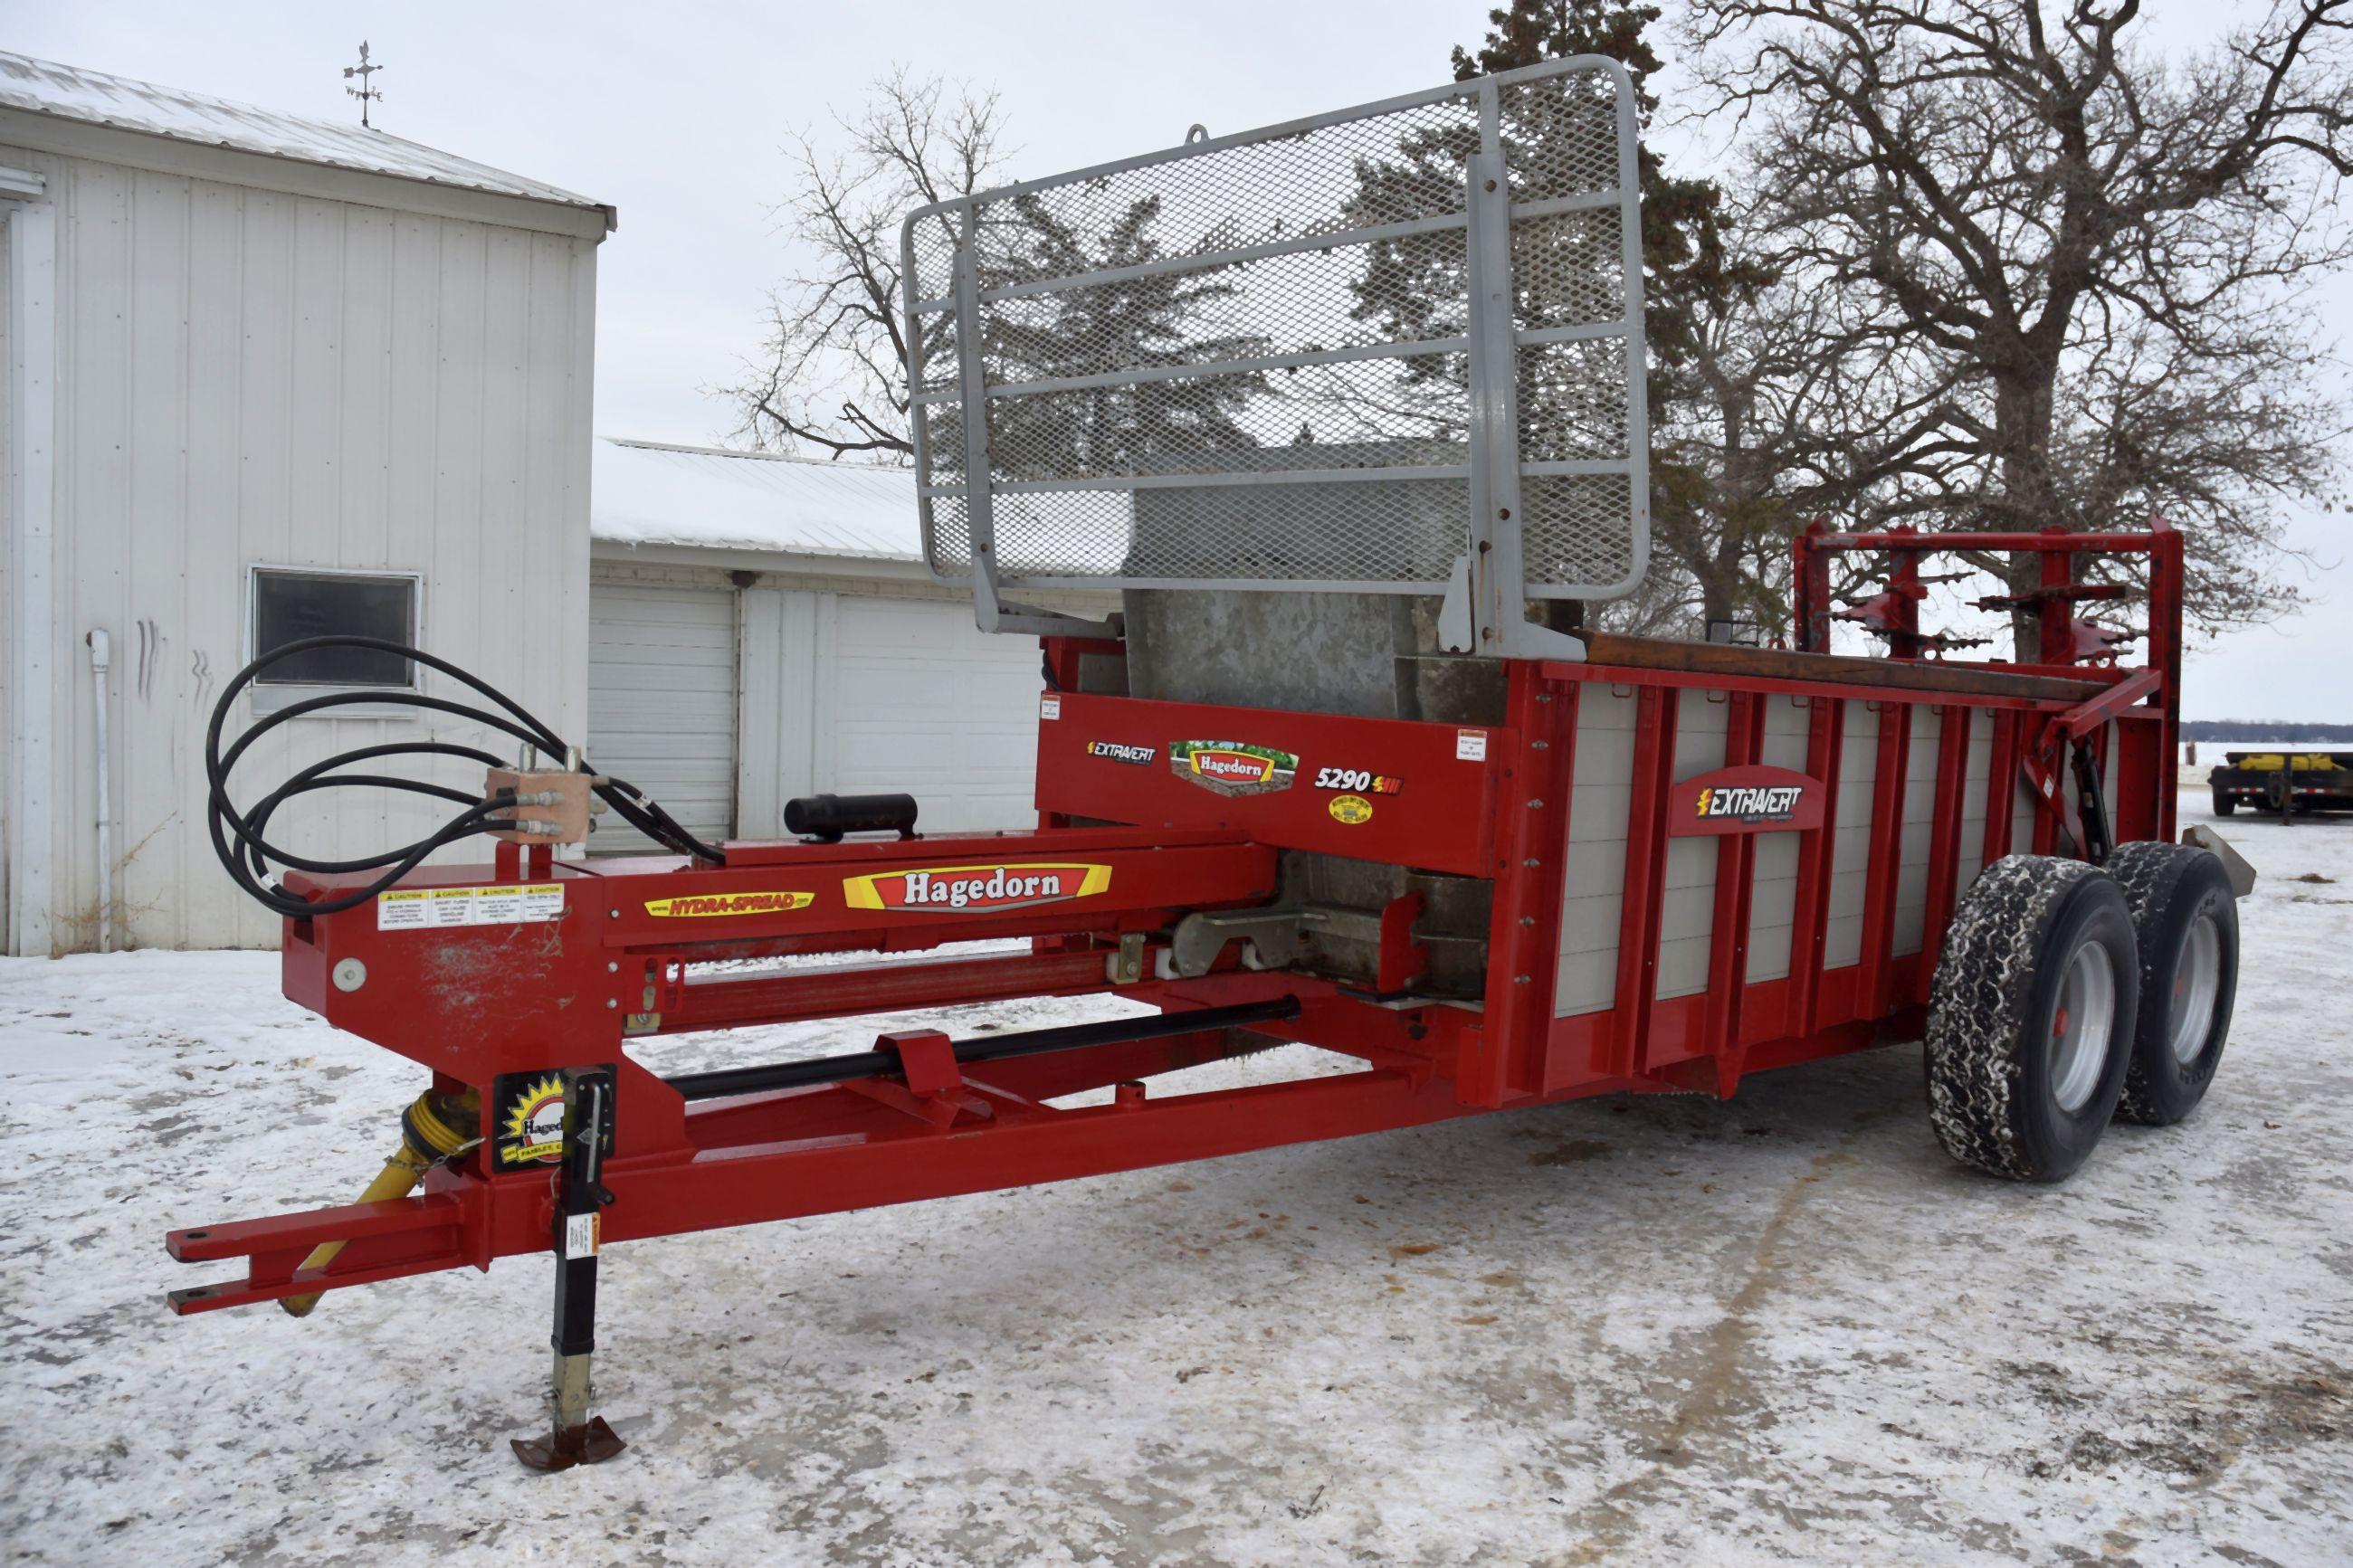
(1350, 412)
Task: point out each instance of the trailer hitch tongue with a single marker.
(435, 1127)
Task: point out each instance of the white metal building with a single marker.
(263, 375)
(762, 627)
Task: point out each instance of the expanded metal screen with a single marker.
(1348, 351)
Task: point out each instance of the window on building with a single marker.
(290, 603)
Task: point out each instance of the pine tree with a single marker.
(1156, 321)
(1687, 263)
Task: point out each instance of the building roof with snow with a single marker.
(94, 98)
(650, 493)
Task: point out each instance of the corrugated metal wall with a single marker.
(841, 684)
(248, 376)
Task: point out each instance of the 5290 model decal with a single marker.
(1357, 781)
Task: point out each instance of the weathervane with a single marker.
(364, 93)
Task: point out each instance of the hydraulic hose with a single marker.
(248, 856)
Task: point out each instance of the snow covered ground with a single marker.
(1785, 1328)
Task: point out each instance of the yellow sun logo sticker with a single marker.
(534, 1129)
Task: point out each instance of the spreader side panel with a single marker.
(1919, 809)
(1976, 786)
(1773, 898)
(1687, 908)
(1851, 839)
(1593, 897)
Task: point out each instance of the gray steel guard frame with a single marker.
(1529, 175)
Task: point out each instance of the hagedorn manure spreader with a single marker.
(1352, 412)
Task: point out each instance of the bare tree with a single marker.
(1698, 281)
(831, 376)
(1790, 404)
(2087, 254)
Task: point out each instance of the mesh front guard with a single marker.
(1285, 358)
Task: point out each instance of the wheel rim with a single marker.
(2197, 985)
(2079, 1027)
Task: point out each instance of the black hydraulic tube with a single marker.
(1034, 1042)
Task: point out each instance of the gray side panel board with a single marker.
(1593, 898)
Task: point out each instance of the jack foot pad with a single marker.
(568, 1446)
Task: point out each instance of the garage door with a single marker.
(661, 704)
(915, 698)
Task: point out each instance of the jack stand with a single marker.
(574, 1436)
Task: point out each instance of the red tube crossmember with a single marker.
(717, 1002)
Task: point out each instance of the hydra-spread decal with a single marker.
(1747, 800)
(1119, 752)
(975, 889)
(764, 903)
(1353, 809)
(1232, 767)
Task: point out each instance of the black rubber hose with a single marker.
(463, 826)
(249, 858)
(625, 799)
(259, 818)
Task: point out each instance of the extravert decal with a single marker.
(1749, 803)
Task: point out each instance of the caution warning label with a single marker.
(421, 908)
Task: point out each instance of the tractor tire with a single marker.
(2186, 921)
(2223, 803)
(2031, 1016)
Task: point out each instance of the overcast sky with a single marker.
(673, 113)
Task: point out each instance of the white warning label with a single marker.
(418, 909)
(1470, 745)
(498, 906)
(450, 907)
(402, 910)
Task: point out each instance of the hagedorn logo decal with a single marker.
(1232, 767)
(527, 1118)
(975, 889)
